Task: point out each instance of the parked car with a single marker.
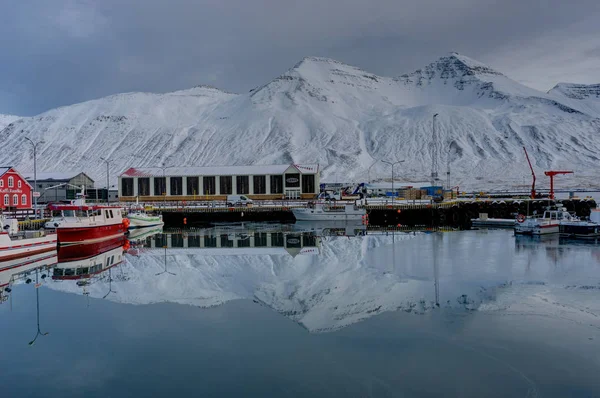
(238, 200)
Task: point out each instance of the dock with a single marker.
(456, 213)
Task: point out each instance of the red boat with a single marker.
(82, 224)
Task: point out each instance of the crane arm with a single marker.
(532, 174)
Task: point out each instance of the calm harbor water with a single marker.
(264, 311)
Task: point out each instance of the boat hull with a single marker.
(537, 230)
(310, 215)
(581, 230)
(89, 234)
(19, 248)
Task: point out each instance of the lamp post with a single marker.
(165, 271)
(34, 144)
(434, 163)
(369, 171)
(107, 180)
(37, 299)
(393, 164)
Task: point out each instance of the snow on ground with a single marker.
(5, 120)
(341, 117)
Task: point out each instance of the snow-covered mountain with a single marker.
(5, 120)
(323, 111)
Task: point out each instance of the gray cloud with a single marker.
(65, 51)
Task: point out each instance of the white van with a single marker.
(238, 200)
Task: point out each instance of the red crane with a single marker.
(532, 174)
(551, 174)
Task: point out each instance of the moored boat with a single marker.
(329, 212)
(79, 224)
(141, 219)
(16, 244)
(548, 223)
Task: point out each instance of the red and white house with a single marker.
(15, 191)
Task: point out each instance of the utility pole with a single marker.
(107, 180)
(434, 160)
(35, 144)
(393, 164)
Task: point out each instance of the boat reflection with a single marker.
(20, 271)
(83, 262)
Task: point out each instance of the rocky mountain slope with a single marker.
(323, 111)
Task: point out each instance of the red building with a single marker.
(15, 192)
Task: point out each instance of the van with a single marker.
(238, 200)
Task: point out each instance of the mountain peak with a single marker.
(469, 64)
(577, 91)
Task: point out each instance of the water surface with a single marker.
(473, 313)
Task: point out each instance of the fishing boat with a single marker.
(141, 219)
(329, 212)
(581, 229)
(79, 224)
(16, 244)
(548, 223)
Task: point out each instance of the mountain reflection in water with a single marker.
(328, 282)
(479, 313)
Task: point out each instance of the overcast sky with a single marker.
(59, 52)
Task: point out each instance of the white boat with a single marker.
(548, 223)
(329, 212)
(141, 219)
(15, 244)
(332, 228)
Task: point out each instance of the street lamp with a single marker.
(369, 171)
(165, 271)
(434, 163)
(37, 299)
(393, 164)
(107, 180)
(35, 144)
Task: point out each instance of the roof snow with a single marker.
(220, 170)
(53, 176)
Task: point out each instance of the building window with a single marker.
(127, 186)
(308, 183)
(242, 184)
(277, 239)
(160, 186)
(225, 241)
(23, 200)
(260, 239)
(209, 185)
(15, 200)
(225, 185)
(210, 241)
(176, 240)
(292, 180)
(276, 184)
(176, 185)
(193, 187)
(1, 183)
(6, 203)
(193, 241)
(144, 186)
(260, 184)
(11, 182)
(19, 184)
